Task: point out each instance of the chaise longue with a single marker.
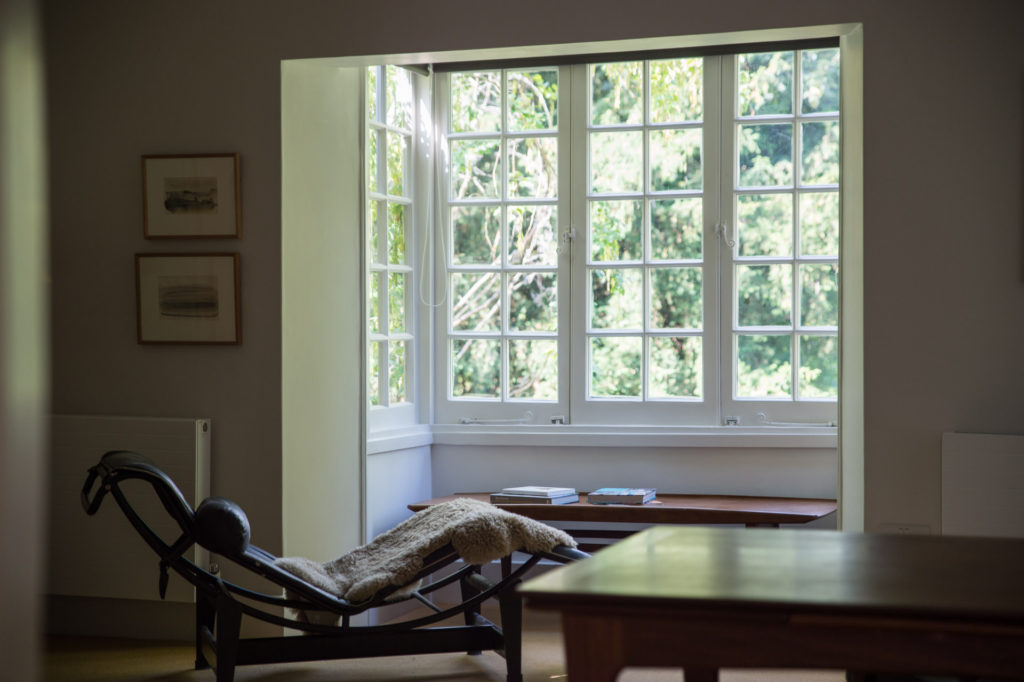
(440, 546)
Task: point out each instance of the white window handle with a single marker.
(723, 233)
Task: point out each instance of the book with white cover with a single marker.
(499, 498)
(538, 491)
(622, 496)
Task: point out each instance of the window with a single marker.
(503, 316)
(654, 242)
(784, 257)
(651, 241)
(389, 143)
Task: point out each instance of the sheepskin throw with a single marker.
(479, 532)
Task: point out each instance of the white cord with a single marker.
(763, 418)
(527, 418)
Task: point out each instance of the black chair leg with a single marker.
(206, 609)
(229, 626)
(468, 592)
(511, 606)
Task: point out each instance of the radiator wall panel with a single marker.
(982, 484)
(103, 555)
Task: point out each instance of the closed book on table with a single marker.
(499, 498)
(537, 491)
(621, 496)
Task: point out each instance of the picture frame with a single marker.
(191, 196)
(188, 298)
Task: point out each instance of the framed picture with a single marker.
(188, 298)
(191, 196)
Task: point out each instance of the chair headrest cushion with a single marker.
(221, 526)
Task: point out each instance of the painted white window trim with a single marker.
(573, 436)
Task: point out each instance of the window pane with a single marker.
(397, 160)
(617, 93)
(617, 162)
(374, 226)
(476, 102)
(476, 237)
(396, 302)
(475, 168)
(677, 90)
(819, 295)
(533, 99)
(533, 168)
(677, 369)
(676, 159)
(476, 301)
(399, 97)
(677, 227)
(533, 369)
(764, 224)
(476, 368)
(765, 295)
(617, 299)
(616, 230)
(374, 303)
(397, 364)
(819, 367)
(532, 237)
(615, 367)
(373, 139)
(533, 302)
(396, 234)
(766, 155)
(677, 298)
(820, 72)
(373, 373)
(765, 83)
(763, 366)
(371, 93)
(820, 153)
(819, 224)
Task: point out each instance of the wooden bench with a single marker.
(668, 508)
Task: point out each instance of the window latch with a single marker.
(567, 237)
(723, 233)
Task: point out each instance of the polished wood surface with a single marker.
(671, 509)
(703, 598)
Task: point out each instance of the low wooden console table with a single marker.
(704, 598)
(667, 509)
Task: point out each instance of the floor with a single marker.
(93, 659)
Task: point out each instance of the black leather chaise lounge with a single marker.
(221, 527)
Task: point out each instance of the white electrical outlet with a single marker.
(906, 528)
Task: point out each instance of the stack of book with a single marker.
(535, 494)
(621, 496)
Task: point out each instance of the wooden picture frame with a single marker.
(191, 196)
(188, 298)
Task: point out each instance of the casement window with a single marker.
(642, 241)
(389, 183)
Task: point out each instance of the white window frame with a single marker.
(386, 415)
(719, 405)
(783, 410)
(501, 409)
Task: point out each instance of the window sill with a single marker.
(592, 436)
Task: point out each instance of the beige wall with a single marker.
(944, 282)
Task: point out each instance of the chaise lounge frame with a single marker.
(221, 527)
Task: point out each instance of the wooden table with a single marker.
(668, 508)
(703, 598)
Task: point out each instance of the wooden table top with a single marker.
(794, 570)
(670, 508)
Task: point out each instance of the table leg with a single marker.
(700, 675)
(593, 648)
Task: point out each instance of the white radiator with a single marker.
(102, 555)
(982, 484)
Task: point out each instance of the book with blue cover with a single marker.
(622, 495)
